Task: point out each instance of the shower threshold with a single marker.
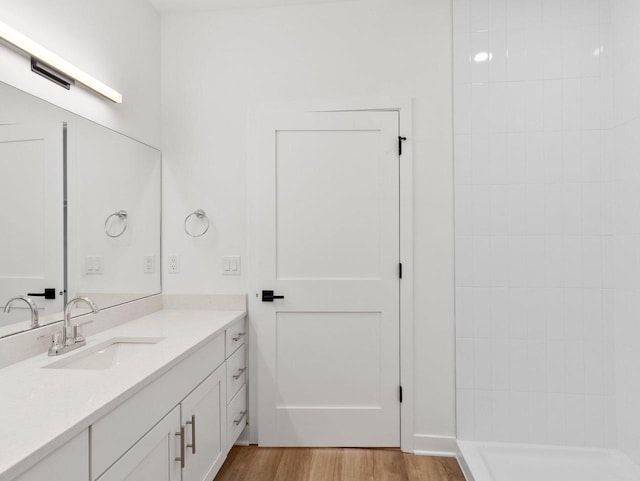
(526, 462)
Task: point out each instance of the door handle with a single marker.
(49, 293)
(239, 336)
(268, 296)
(239, 420)
(193, 434)
(240, 371)
(182, 448)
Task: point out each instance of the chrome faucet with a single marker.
(70, 337)
(35, 318)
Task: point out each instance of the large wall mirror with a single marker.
(79, 209)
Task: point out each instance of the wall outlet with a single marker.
(174, 265)
(231, 266)
(149, 264)
(94, 265)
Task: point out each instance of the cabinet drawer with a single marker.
(116, 432)
(236, 372)
(236, 334)
(237, 416)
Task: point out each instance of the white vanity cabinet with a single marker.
(159, 415)
(69, 462)
(190, 439)
(139, 441)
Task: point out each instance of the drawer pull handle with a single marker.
(242, 415)
(182, 456)
(193, 434)
(238, 336)
(240, 371)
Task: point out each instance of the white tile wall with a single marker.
(535, 263)
(624, 253)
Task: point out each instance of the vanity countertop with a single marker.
(41, 409)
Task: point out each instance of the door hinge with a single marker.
(400, 270)
(400, 393)
(400, 140)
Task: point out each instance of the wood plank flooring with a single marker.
(251, 463)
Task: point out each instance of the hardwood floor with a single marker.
(251, 463)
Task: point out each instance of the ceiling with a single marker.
(198, 5)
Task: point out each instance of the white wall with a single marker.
(626, 47)
(216, 65)
(534, 246)
(115, 41)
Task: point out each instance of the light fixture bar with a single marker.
(49, 58)
(51, 74)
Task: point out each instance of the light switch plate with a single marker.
(94, 265)
(149, 264)
(231, 266)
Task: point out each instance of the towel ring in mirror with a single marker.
(200, 214)
(122, 215)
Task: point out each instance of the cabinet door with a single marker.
(203, 415)
(153, 458)
(72, 459)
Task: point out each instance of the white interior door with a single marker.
(31, 257)
(326, 237)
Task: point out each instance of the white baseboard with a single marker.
(465, 468)
(426, 445)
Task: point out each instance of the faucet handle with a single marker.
(55, 337)
(77, 334)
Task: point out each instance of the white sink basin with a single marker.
(107, 354)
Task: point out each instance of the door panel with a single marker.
(326, 236)
(320, 349)
(31, 164)
(326, 229)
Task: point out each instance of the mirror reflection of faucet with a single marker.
(70, 337)
(35, 318)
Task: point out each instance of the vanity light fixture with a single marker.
(51, 66)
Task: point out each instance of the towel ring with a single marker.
(200, 214)
(122, 215)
